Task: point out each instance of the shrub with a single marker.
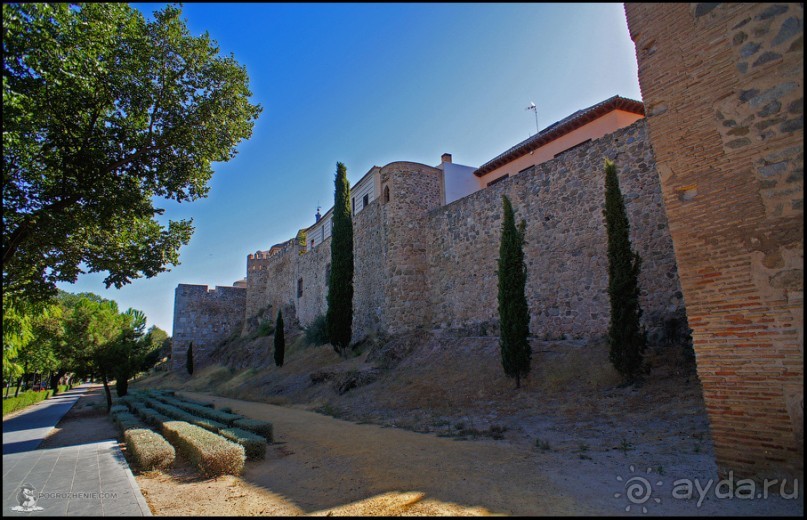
(182, 415)
(127, 421)
(626, 338)
(340, 281)
(264, 329)
(211, 453)
(205, 412)
(12, 404)
(280, 340)
(118, 408)
(189, 359)
(254, 445)
(152, 417)
(514, 315)
(149, 450)
(262, 428)
(317, 332)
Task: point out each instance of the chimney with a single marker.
(446, 157)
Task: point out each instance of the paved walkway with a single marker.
(84, 480)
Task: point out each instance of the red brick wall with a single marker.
(723, 88)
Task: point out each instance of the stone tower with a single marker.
(408, 192)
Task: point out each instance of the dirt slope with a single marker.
(480, 456)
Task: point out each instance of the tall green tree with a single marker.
(626, 338)
(105, 113)
(280, 340)
(130, 349)
(155, 340)
(339, 316)
(514, 316)
(93, 327)
(189, 359)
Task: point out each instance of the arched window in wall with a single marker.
(386, 194)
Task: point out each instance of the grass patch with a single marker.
(542, 445)
(211, 453)
(149, 450)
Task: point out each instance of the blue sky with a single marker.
(368, 84)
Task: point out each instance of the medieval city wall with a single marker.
(204, 317)
(418, 264)
(562, 202)
(723, 87)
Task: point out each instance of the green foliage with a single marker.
(156, 340)
(317, 332)
(262, 428)
(127, 421)
(254, 445)
(626, 339)
(105, 113)
(302, 236)
(265, 329)
(200, 410)
(280, 340)
(212, 454)
(340, 282)
(12, 404)
(514, 314)
(148, 449)
(189, 359)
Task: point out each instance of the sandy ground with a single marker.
(444, 433)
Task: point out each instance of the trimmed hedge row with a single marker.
(262, 428)
(211, 453)
(150, 416)
(254, 445)
(202, 411)
(182, 415)
(149, 450)
(127, 421)
(118, 408)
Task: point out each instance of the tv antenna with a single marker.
(535, 111)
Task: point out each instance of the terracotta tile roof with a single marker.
(560, 128)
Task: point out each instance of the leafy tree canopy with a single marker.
(104, 113)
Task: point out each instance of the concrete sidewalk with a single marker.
(90, 479)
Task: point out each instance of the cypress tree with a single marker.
(626, 339)
(514, 316)
(189, 360)
(280, 340)
(340, 282)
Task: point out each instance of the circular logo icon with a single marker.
(638, 490)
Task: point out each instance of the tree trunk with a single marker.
(121, 385)
(8, 387)
(54, 380)
(19, 382)
(107, 391)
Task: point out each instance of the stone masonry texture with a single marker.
(421, 265)
(723, 87)
(204, 317)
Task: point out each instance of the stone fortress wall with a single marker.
(422, 265)
(204, 317)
